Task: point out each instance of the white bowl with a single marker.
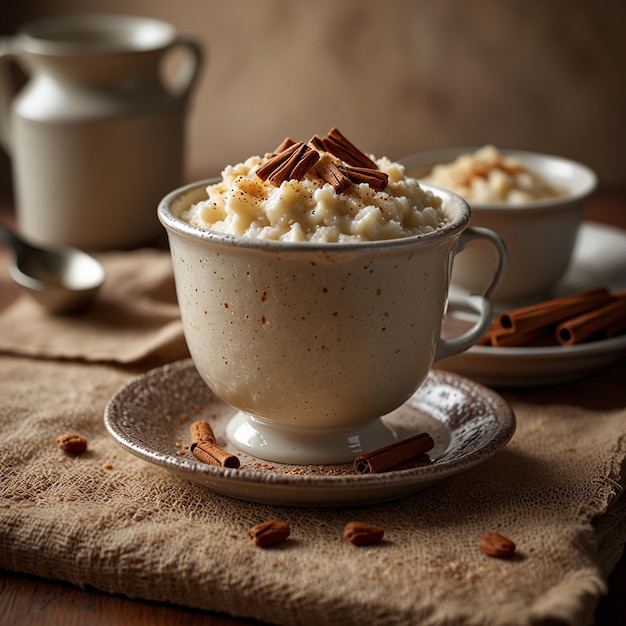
(540, 236)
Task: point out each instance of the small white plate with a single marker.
(151, 415)
(599, 260)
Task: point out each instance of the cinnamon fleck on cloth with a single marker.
(109, 520)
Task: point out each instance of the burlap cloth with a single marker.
(114, 522)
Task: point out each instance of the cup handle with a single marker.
(8, 89)
(190, 71)
(479, 303)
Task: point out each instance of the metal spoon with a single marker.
(61, 279)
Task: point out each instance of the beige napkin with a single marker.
(135, 317)
(108, 520)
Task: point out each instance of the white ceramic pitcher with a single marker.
(97, 134)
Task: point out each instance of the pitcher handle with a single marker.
(8, 89)
(479, 303)
(189, 73)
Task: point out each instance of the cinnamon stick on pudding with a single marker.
(374, 178)
(393, 455)
(344, 149)
(332, 174)
(293, 160)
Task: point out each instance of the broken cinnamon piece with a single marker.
(361, 534)
(341, 147)
(577, 329)
(269, 533)
(391, 456)
(330, 173)
(374, 178)
(212, 454)
(273, 163)
(553, 311)
(201, 431)
(72, 443)
(497, 545)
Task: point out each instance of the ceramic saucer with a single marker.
(150, 418)
(599, 260)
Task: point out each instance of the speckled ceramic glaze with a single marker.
(150, 418)
(312, 343)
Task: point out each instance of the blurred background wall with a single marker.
(397, 77)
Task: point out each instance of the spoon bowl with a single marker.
(60, 279)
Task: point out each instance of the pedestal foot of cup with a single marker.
(285, 444)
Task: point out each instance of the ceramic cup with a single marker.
(314, 343)
(539, 236)
(97, 134)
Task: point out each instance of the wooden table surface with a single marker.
(28, 600)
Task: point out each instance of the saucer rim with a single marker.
(406, 480)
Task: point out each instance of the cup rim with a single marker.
(143, 34)
(446, 155)
(174, 224)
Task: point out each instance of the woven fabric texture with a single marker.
(108, 520)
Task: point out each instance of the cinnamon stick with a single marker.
(615, 329)
(374, 178)
(582, 327)
(295, 159)
(341, 147)
(308, 159)
(553, 311)
(292, 162)
(317, 142)
(330, 173)
(283, 171)
(212, 454)
(273, 163)
(205, 448)
(393, 455)
(421, 460)
(505, 338)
